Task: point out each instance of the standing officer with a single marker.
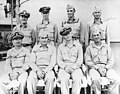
(43, 59)
(69, 59)
(29, 34)
(97, 23)
(75, 24)
(16, 65)
(99, 59)
(46, 24)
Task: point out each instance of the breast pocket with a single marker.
(65, 56)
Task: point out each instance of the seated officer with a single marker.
(43, 59)
(69, 59)
(99, 59)
(16, 65)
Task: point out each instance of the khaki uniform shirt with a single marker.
(96, 56)
(29, 34)
(76, 26)
(104, 32)
(50, 28)
(69, 56)
(43, 57)
(17, 59)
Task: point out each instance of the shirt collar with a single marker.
(67, 46)
(96, 21)
(42, 46)
(25, 26)
(94, 46)
(48, 22)
(75, 20)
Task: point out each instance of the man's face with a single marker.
(43, 39)
(97, 14)
(97, 37)
(70, 13)
(23, 19)
(17, 42)
(68, 37)
(45, 16)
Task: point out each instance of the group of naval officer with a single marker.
(42, 49)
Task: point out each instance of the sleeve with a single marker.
(33, 35)
(81, 33)
(55, 34)
(60, 59)
(110, 59)
(79, 58)
(52, 61)
(36, 33)
(7, 66)
(87, 36)
(88, 59)
(107, 36)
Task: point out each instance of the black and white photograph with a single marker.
(59, 46)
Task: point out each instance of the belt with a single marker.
(101, 63)
(24, 45)
(93, 40)
(75, 38)
(17, 67)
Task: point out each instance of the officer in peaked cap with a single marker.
(23, 27)
(24, 13)
(44, 10)
(47, 25)
(16, 65)
(17, 35)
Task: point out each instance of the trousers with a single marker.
(33, 80)
(111, 76)
(64, 77)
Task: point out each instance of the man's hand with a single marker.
(69, 69)
(40, 74)
(102, 71)
(14, 75)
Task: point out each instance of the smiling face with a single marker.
(96, 37)
(68, 37)
(17, 42)
(97, 14)
(70, 12)
(45, 16)
(43, 38)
